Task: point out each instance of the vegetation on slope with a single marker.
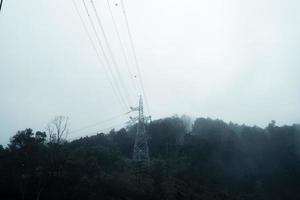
(212, 160)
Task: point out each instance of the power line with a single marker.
(110, 51)
(99, 123)
(122, 46)
(104, 54)
(98, 131)
(134, 53)
(97, 53)
(117, 78)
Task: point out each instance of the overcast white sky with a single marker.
(229, 59)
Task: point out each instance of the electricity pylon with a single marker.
(140, 150)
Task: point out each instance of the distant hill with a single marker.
(203, 159)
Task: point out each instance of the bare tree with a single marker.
(58, 129)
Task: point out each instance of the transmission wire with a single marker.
(98, 56)
(99, 123)
(122, 46)
(110, 51)
(98, 131)
(134, 53)
(104, 54)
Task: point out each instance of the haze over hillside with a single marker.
(212, 160)
(149, 100)
(233, 60)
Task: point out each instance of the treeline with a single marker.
(207, 160)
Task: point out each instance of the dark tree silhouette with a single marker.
(210, 160)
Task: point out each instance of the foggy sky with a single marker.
(229, 59)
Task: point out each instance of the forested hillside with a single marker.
(207, 160)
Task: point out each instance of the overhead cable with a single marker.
(98, 56)
(122, 47)
(134, 54)
(110, 52)
(100, 123)
(104, 55)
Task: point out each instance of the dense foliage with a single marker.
(210, 160)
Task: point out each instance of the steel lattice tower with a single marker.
(141, 150)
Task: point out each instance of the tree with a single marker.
(216, 161)
(58, 129)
